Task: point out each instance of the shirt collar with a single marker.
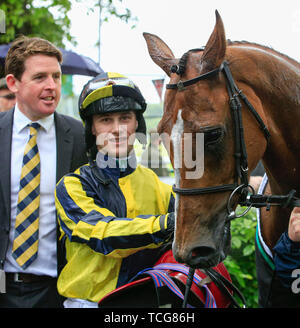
(21, 121)
(116, 166)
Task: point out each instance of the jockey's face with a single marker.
(115, 132)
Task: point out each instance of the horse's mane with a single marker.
(280, 75)
(183, 59)
(267, 48)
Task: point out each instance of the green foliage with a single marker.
(49, 19)
(241, 261)
(153, 115)
(46, 19)
(108, 8)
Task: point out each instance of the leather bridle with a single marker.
(241, 185)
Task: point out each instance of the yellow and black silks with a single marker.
(111, 231)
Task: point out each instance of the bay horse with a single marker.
(245, 99)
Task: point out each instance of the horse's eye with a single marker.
(212, 136)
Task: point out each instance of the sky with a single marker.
(183, 25)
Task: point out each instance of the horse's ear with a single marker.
(215, 48)
(160, 53)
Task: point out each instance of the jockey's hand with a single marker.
(294, 225)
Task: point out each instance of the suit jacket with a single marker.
(71, 153)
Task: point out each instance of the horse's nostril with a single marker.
(202, 252)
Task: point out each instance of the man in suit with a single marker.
(37, 147)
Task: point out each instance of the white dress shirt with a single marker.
(46, 262)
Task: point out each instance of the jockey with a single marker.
(115, 216)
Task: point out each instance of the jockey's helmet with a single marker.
(107, 93)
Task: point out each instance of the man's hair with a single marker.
(25, 47)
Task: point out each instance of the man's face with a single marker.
(115, 132)
(7, 100)
(38, 91)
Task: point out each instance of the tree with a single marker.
(49, 18)
(108, 8)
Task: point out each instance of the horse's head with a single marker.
(202, 237)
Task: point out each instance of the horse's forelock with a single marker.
(184, 58)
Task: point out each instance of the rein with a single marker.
(241, 163)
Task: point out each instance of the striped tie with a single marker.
(25, 245)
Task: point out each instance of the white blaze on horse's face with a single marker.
(198, 164)
(176, 136)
